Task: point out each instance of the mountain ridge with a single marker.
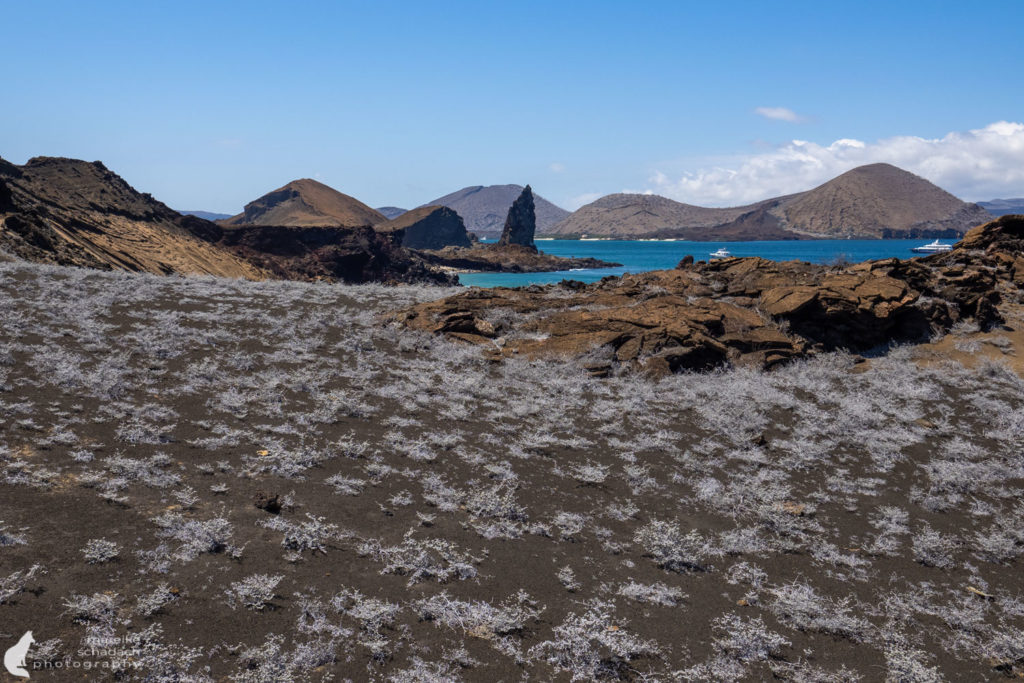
(1003, 207)
(205, 215)
(872, 201)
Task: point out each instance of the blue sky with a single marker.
(209, 105)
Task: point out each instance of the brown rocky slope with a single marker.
(76, 213)
(745, 311)
(628, 216)
(71, 212)
(306, 202)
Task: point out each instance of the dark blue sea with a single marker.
(637, 256)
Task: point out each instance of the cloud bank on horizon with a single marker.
(974, 165)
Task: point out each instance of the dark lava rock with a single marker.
(354, 255)
(521, 222)
(270, 502)
(428, 227)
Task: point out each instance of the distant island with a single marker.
(205, 215)
(390, 212)
(1003, 207)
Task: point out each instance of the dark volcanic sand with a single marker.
(448, 518)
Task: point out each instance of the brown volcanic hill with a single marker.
(880, 200)
(72, 212)
(308, 203)
(638, 215)
(874, 201)
(428, 227)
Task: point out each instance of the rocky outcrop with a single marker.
(76, 213)
(484, 208)
(429, 227)
(352, 255)
(692, 319)
(515, 252)
(1005, 235)
(745, 311)
(521, 222)
(306, 202)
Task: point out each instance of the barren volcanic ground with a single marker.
(427, 514)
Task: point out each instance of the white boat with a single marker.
(935, 247)
(721, 253)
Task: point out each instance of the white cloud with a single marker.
(556, 167)
(974, 165)
(579, 200)
(779, 114)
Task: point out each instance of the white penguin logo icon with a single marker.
(14, 658)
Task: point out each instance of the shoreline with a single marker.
(802, 238)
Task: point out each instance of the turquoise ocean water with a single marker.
(640, 256)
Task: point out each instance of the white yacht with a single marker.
(721, 253)
(935, 247)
